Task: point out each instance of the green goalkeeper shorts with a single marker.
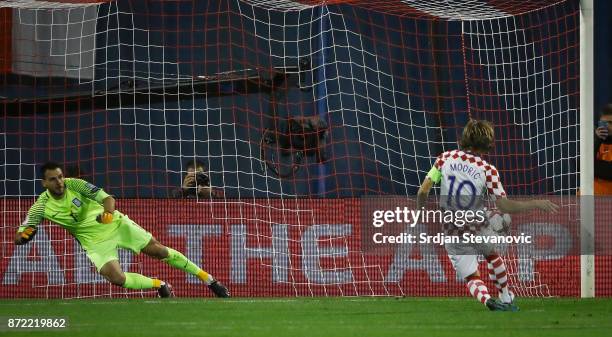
(128, 235)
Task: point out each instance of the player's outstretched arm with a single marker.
(506, 205)
(433, 177)
(423, 192)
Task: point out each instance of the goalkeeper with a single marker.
(88, 214)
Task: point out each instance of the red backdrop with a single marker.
(319, 253)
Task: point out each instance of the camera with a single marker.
(202, 179)
(602, 124)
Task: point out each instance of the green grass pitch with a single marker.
(335, 317)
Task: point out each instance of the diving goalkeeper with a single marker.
(89, 215)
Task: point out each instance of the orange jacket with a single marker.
(603, 166)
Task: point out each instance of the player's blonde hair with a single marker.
(477, 136)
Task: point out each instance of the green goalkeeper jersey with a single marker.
(76, 212)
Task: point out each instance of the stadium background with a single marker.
(430, 71)
(416, 54)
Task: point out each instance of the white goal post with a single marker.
(587, 206)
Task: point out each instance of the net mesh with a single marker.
(296, 109)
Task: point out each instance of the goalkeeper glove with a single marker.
(26, 236)
(105, 217)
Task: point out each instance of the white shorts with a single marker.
(464, 257)
(465, 265)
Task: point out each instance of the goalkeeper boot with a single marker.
(219, 289)
(165, 290)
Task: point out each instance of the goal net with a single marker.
(297, 111)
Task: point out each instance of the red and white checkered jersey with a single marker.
(466, 180)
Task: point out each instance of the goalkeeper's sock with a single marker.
(179, 261)
(205, 277)
(479, 290)
(137, 281)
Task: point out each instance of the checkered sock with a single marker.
(479, 290)
(498, 274)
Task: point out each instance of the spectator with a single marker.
(603, 153)
(196, 183)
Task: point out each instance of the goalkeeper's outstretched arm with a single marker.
(27, 230)
(25, 236)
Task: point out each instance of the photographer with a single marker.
(196, 183)
(603, 153)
